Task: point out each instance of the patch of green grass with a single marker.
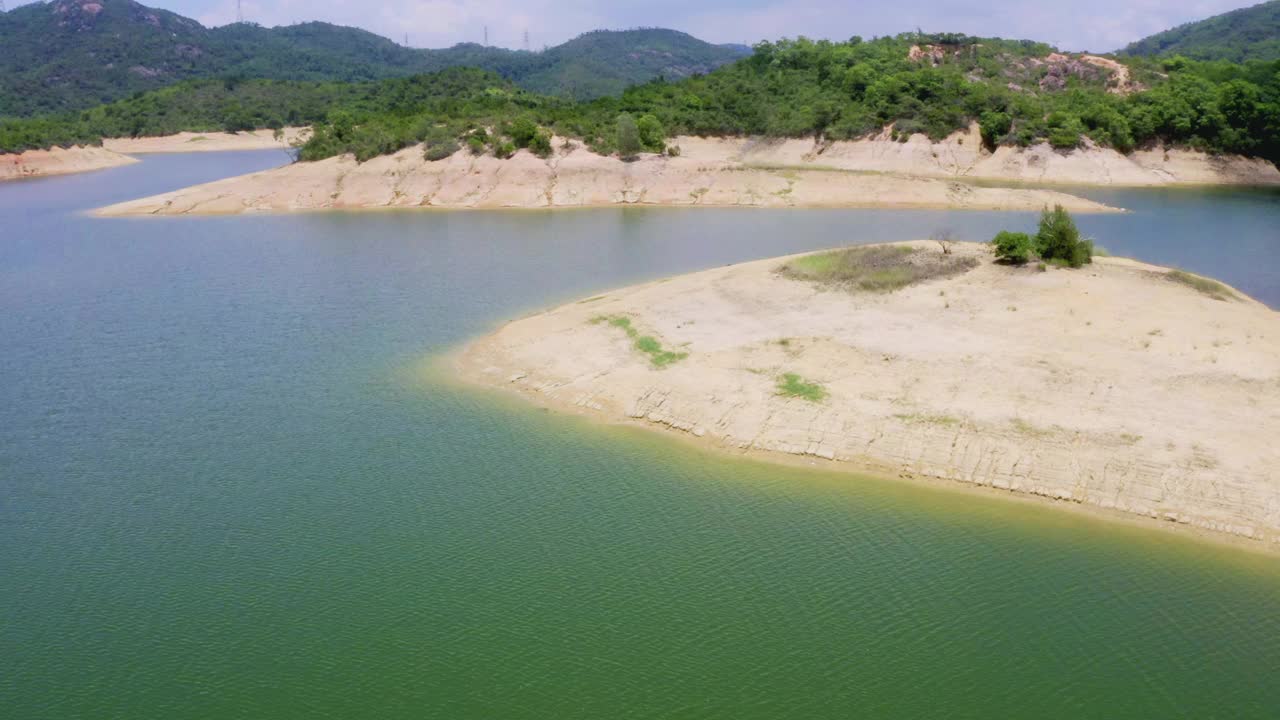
(1203, 285)
(792, 385)
(1026, 428)
(876, 268)
(646, 344)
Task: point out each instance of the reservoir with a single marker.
(234, 482)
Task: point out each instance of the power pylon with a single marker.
(526, 41)
(486, 36)
(239, 12)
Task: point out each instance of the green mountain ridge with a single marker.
(69, 55)
(1251, 33)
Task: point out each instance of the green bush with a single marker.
(995, 126)
(439, 143)
(540, 145)
(476, 144)
(1058, 239)
(628, 137)
(1064, 130)
(1013, 247)
(652, 136)
(522, 132)
(504, 150)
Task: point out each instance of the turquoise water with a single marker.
(229, 487)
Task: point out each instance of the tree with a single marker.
(1058, 239)
(628, 137)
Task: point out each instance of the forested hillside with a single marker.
(1019, 92)
(73, 54)
(1248, 34)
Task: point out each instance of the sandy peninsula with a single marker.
(188, 142)
(1118, 387)
(575, 177)
(116, 151)
(741, 172)
(59, 161)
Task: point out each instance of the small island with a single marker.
(1116, 385)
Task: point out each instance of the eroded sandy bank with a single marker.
(187, 142)
(875, 172)
(1112, 386)
(963, 156)
(575, 177)
(59, 161)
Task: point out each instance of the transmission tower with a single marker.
(486, 36)
(239, 12)
(526, 41)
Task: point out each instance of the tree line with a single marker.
(791, 88)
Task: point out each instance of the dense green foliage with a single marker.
(1247, 34)
(73, 54)
(786, 89)
(1057, 241)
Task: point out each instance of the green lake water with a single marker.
(231, 486)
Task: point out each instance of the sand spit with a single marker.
(186, 142)
(58, 161)
(876, 172)
(575, 177)
(1112, 387)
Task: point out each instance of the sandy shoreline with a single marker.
(189, 142)
(115, 152)
(955, 173)
(59, 161)
(1158, 409)
(575, 177)
(962, 156)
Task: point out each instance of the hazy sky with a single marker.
(1097, 25)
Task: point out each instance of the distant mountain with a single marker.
(68, 55)
(1247, 34)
